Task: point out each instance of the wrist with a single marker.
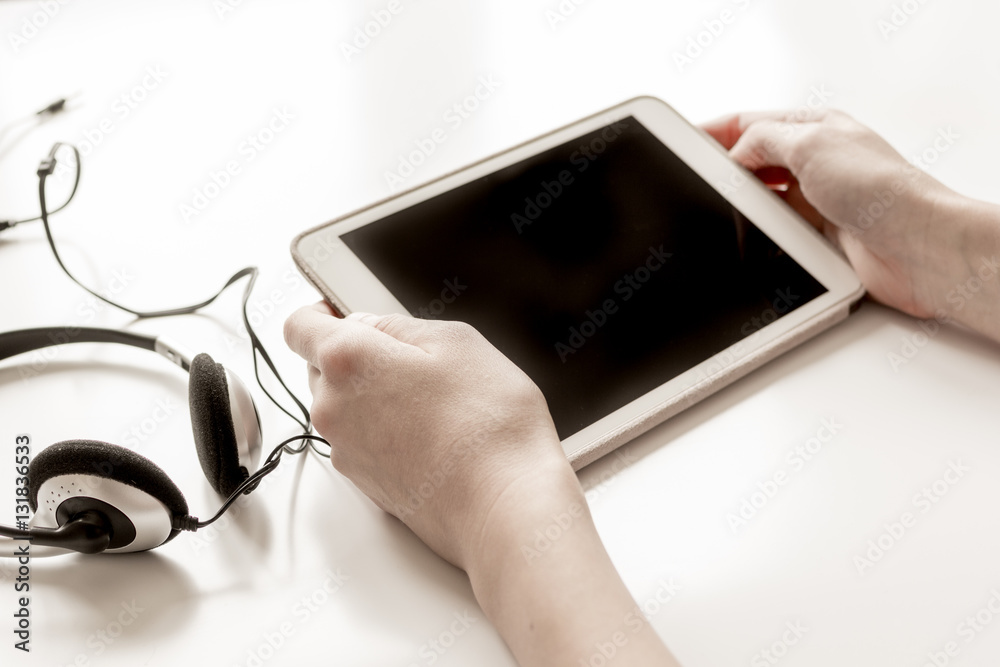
(544, 579)
(545, 493)
(538, 545)
(967, 251)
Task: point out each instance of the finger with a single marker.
(727, 130)
(766, 143)
(308, 327)
(324, 308)
(404, 328)
(771, 140)
(776, 178)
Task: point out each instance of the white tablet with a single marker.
(624, 262)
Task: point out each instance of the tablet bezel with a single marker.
(327, 262)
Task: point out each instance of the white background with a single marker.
(662, 506)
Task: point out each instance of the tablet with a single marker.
(624, 262)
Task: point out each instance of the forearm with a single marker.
(970, 294)
(545, 580)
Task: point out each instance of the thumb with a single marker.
(404, 328)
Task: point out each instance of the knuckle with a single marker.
(839, 116)
(392, 322)
(462, 330)
(808, 141)
(437, 330)
(322, 419)
(456, 334)
(337, 356)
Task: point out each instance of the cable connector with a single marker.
(47, 167)
(188, 523)
(53, 108)
(56, 107)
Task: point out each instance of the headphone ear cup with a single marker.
(212, 425)
(75, 475)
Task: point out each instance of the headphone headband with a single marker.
(131, 503)
(13, 343)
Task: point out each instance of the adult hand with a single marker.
(907, 236)
(439, 428)
(428, 419)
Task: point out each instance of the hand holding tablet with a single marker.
(856, 189)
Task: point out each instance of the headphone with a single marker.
(92, 496)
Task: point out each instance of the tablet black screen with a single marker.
(603, 267)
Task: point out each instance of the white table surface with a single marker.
(226, 596)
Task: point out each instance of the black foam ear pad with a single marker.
(100, 459)
(212, 423)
